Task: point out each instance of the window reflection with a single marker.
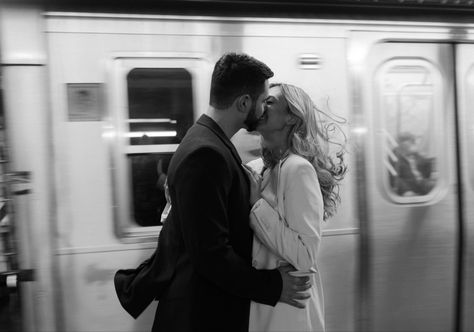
(408, 108)
(411, 173)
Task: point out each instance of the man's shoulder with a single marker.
(200, 144)
(197, 137)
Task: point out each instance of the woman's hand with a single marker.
(255, 182)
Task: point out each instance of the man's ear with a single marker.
(243, 103)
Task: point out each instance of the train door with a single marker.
(410, 203)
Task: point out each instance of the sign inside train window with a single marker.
(84, 101)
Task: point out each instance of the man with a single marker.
(208, 247)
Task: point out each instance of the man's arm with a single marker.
(202, 186)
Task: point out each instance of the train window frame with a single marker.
(116, 129)
(382, 147)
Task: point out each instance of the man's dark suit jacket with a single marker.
(210, 240)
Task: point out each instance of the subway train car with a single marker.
(95, 102)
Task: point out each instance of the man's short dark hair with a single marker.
(235, 75)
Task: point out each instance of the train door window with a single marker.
(409, 92)
(152, 105)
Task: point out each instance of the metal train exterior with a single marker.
(81, 89)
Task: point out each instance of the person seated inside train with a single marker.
(148, 185)
(413, 171)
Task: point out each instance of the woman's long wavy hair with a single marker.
(311, 137)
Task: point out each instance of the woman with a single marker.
(298, 190)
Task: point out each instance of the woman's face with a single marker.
(276, 115)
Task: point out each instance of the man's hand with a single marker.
(294, 288)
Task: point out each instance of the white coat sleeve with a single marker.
(297, 243)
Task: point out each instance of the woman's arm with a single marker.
(297, 243)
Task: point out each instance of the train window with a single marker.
(160, 104)
(153, 100)
(159, 100)
(408, 92)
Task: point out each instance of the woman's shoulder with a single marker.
(300, 171)
(294, 161)
(296, 165)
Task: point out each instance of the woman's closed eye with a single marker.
(269, 101)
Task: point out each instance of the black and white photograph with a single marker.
(236, 166)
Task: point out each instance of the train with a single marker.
(94, 103)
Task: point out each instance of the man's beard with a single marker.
(251, 122)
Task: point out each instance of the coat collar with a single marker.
(208, 122)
